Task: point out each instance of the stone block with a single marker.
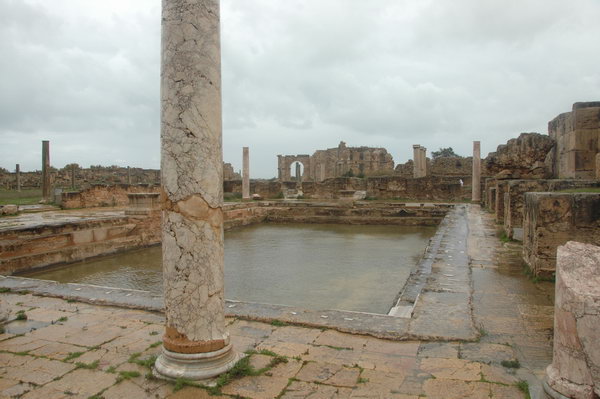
(586, 118)
(575, 368)
(9, 210)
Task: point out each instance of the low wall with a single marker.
(104, 195)
(32, 247)
(514, 197)
(552, 219)
(357, 213)
(432, 188)
(59, 242)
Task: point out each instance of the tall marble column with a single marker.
(18, 176)
(246, 174)
(416, 160)
(423, 161)
(476, 180)
(196, 343)
(46, 170)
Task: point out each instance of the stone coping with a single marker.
(376, 325)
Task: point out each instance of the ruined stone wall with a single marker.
(514, 197)
(577, 136)
(229, 173)
(104, 195)
(34, 247)
(337, 162)
(520, 158)
(444, 166)
(264, 188)
(84, 177)
(552, 219)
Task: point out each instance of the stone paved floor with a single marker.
(80, 350)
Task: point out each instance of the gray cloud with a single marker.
(297, 75)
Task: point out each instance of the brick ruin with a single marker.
(336, 162)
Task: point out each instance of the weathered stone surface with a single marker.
(9, 209)
(577, 135)
(552, 219)
(520, 158)
(575, 368)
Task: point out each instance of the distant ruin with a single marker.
(342, 161)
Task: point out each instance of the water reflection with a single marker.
(346, 267)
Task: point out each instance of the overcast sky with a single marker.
(298, 75)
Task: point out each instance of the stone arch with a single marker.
(285, 163)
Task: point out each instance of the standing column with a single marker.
(72, 176)
(18, 176)
(246, 174)
(298, 173)
(423, 161)
(129, 175)
(416, 160)
(476, 183)
(196, 343)
(46, 170)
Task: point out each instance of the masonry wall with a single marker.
(50, 244)
(104, 195)
(552, 219)
(577, 136)
(515, 197)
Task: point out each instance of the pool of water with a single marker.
(360, 268)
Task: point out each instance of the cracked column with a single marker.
(196, 343)
(46, 170)
(18, 176)
(476, 180)
(246, 174)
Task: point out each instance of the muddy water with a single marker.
(359, 268)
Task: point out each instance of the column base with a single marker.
(553, 383)
(195, 366)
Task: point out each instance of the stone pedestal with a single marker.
(46, 193)
(143, 203)
(246, 174)
(575, 369)
(196, 343)
(476, 181)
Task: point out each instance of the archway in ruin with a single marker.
(296, 171)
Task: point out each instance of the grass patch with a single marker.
(111, 370)
(362, 380)
(154, 345)
(511, 364)
(482, 331)
(148, 362)
(72, 355)
(181, 383)
(127, 375)
(88, 366)
(4, 290)
(23, 197)
(21, 315)
(62, 319)
(278, 323)
(154, 332)
(524, 387)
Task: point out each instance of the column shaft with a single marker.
(196, 343)
(46, 170)
(476, 183)
(18, 176)
(246, 174)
